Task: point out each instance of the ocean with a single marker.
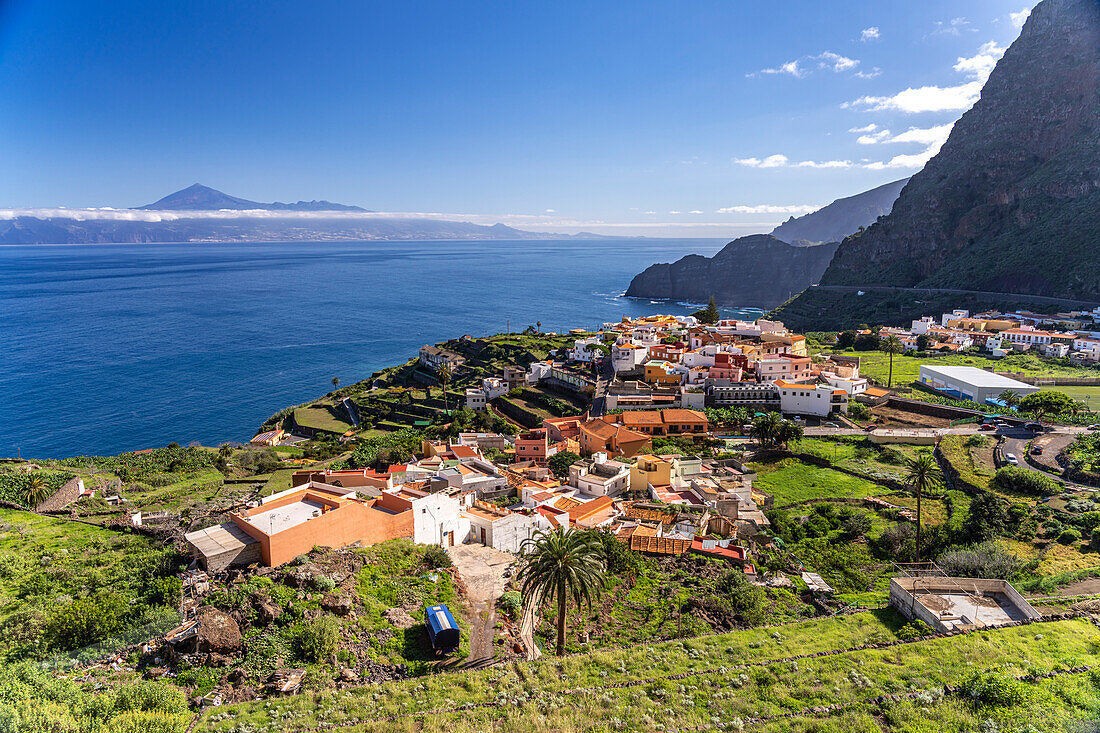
(110, 348)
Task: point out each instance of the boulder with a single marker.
(339, 605)
(266, 609)
(399, 617)
(217, 632)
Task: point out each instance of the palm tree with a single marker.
(225, 450)
(891, 345)
(538, 325)
(445, 374)
(922, 474)
(336, 382)
(562, 564)
(35, 491)
(786, 432)
(1010, 398)
(765, 427)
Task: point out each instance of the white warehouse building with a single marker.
(970, 383)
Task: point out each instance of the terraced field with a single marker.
(848, 673)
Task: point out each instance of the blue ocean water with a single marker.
(109, 348)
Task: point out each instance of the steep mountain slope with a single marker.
(758, 270)
(203, 198)
(840, 218)
(1012, 201)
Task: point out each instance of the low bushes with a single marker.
(984, 560)
(1024, 481)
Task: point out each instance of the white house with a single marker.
(597, 476)
(581, 350)
(627, 356)
(811, 399)
(921, 327)
(502, 529)
(437, 519)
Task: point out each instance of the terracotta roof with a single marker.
(650, 514)
(566, 503)
(682, 415)
(587, 509)
(659, 545)
(464, 451)
(640, 418)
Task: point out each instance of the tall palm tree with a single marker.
(35, 491)
(891, 345)
(786, 432)
(922, 473)
(336, 382)
(765, 427)
(445, 374)
(1010, 398)
(562, 564)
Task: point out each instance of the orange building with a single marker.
(296, 521)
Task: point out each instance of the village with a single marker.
(736, 473)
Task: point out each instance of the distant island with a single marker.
(199, 213)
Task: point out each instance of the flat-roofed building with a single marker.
(970, 383)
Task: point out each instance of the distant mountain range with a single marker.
(763, 270)
(203, 198)
(202, 214)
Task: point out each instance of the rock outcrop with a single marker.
(757, 271)
(1012, 201)
(844, 216)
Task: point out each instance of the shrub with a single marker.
(914, 630)
(316, 640)
(436, 557)
(323, 583)
(87, 620)
(994, 687)
(984, 560)
(150, 697)
(1069, 537)
(1025, 481)
(511, 603)
(744, 598)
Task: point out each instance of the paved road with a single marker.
(955, 291)
(603, 381)
(1016, 440)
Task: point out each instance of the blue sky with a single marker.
(660, 118)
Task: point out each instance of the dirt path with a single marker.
(482, 569)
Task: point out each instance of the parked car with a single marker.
(831, 425)
(1093, 427)
(1034, 427)
(1037, 450)
(987, 426)
(1011, 458)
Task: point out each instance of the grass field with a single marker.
(791, 481)
(1089, 395)
(321, 418)
(631, 689)
(876, 365)
(856, 453)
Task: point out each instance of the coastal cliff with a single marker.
(1012, 201)
(758, 270)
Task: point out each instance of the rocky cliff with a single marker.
(844, 216)
(1012, 201)
(758, 270)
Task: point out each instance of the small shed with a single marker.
(442, 629)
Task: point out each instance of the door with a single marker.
(483, 535)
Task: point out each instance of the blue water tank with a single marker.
(442, 628)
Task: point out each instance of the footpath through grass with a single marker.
(732, 678)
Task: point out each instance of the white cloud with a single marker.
(695, 211)
(868, 34)
(866, 128)
(924, 135)
(824, 164)
(981, 64)
(936, 98)
(868, 74)
(651, 212)
(791, 68)
(675, 212)
(804, 66)
(924, 99)
(1018, 19)
(772, 161)
(873, 138)
(952, 27)
(768, 209)
(913, 161)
